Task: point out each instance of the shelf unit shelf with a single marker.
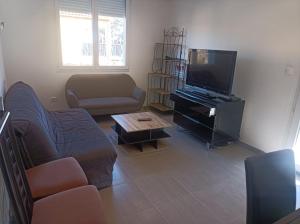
(161, 107)
(174, 60)
(162, 75)
(160, 91)
(168, 69)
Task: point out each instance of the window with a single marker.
(93, 32)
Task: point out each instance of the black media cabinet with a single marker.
(215, 121)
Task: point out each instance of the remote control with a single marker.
(145, 119)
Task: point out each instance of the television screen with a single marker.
(211, 70)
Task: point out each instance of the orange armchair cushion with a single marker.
(82, 205)
(55, 176)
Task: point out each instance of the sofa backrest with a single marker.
(31, 120)
(94, 86)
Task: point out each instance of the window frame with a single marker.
(95, 67)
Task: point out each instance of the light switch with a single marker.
(290, 70)
(1, 26)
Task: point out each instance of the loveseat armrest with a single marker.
(139, 95)
(72, 98)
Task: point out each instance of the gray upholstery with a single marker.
(104, 94)
(51, 135)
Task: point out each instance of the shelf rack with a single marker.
(168, 69)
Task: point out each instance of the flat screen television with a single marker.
(211, 70)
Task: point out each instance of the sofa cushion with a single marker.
(108, 102)
(79, 136)
(76, 206)
(101, 85)
(54, 177)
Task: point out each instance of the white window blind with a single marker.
(93, 32)
(112, 8)
(76, 6)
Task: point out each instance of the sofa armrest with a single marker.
(139, 95)
(72, 98)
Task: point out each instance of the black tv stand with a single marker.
(215, 120)
(202, 94)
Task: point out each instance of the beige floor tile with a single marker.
(141, 166)
(148, 216)
(227, 200)
(124, 200)
(186, 209)
(160, 188)
(183, 183)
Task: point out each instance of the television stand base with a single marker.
(215, 122)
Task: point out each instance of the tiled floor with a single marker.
(180, 183)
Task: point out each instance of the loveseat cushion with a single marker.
(81, 205)
(101, 85)
(109, 102)
(54, 177)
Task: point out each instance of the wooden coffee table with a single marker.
(132, 131)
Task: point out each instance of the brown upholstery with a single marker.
(104, 94)
(81, 205)
(54, 177)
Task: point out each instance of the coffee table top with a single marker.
(130, 123)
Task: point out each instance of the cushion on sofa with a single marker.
(109, 102)
(101, 85)
(79, 136)
(81, 205)
(54, 177)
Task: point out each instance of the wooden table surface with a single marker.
(130, 123)
(293, 218)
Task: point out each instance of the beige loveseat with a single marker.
(104, 94)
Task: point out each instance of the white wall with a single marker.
(30, 44)
(266, 34)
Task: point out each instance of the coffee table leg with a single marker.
(154, 144)
(140, 146)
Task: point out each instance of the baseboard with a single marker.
(251, 148)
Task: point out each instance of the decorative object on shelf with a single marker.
(168, 69)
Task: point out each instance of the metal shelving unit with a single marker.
(168, 69)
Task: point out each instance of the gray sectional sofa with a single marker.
(104, 94)
(51, 135)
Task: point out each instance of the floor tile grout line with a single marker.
(153, 205)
